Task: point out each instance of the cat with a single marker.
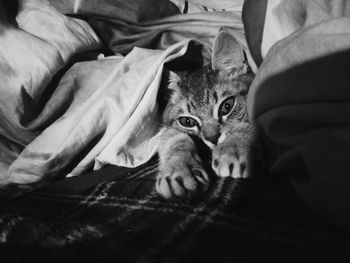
(208, 104)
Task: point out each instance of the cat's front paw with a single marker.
(231, 160)
(181, 176)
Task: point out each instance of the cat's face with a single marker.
(207, 104)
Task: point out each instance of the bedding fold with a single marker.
(301, 100)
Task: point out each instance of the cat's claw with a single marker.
(227, 161)
(179, 180)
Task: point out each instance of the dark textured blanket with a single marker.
(114, 215)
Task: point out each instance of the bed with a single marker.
(78, 141)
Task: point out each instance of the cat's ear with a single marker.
(174, 80)
(227, 54)
(169, 86)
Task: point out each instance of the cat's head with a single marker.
(211, 101)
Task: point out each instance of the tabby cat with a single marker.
(208, 104)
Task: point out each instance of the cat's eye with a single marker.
(227, 106)
(187, 122)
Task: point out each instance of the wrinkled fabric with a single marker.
(284, 17)
(30, 57)
(150, 27)
(300, 99)
(111, 97)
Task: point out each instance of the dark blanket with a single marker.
(114, 215)
(300, 99)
